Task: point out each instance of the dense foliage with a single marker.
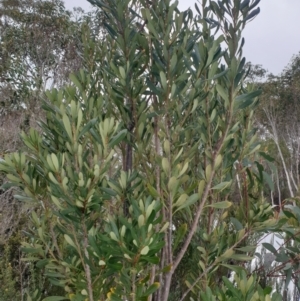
(146, 179)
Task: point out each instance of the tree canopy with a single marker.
(150, 175)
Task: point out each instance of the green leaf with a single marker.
(145, 250)
(245, 100)
(163, 80)
(276, 297)
(67, 126)
(208, 171)
(76, 82)
(267, 156)
(234, 268)
(113, 297)
(222, 185)
(70, 241)
(237, 225)
(87, 127)
(241, 257)
(190, 201)
(222, 92)
(269, 247)
(151, 289)
(179, 235)
(118, 138)
(221, 205)
(54, 298)
(269, 181)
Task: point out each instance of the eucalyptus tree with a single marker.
(39, 44)
(133, 171)
(277, 118)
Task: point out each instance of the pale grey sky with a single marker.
(271, 39)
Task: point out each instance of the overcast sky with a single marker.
(271, 39)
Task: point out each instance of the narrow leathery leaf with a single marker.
(152, 289)
(167, 268)
(67, 126)
(227, 255)
(208, 172)
(145, 250)
(163, 80)
(222, 185)
(149, 209)
(213, 115)
(79, 204)
(188, 284)
(222, 92)
(179, 154)
(234, 268)
(181, 200)
(270, 247)
(201, 188)
(173, 90)
(65, 183)
(190, 201)
(79, 118)
(172, 184)
(23, 198)
(220, 75)
(153, 192)
(52, 178)
(164, 228)
(113, 236)
(141, 204)
(76, 82)
(241, 234)
(122, 72)
(69, 241)
(141, 220)
(218, 160)
(84, 292)
(249, 283)
(55, 162)
(267, 156)
(202, 265)
(22, 159)
(123, 230)
(247, 249)
(87, 127)
(244, 4)
(241, 257)
(245, 100)
(54, 298)
(195, 105)
(118, 138)
(256, 148)
(268, 179)
(184, 169)
(179, 235)
(50, 162)
(56, 202)
(221, 205)
(40, 233)
(253, 14)
(165, 165)
(13, 178)
(167, 147)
